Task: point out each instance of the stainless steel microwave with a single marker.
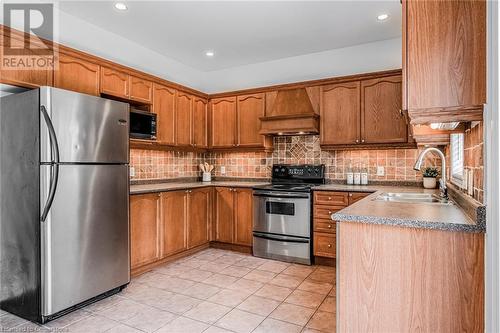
(142, 124)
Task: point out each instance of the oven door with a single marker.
(283, 213)
(286, 248)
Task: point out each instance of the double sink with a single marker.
(413, 197)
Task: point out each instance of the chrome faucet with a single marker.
(442, 181)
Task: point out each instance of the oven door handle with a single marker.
(281, 238)
(284, 196)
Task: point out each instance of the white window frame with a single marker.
(457, 161)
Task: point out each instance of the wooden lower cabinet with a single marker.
(409, 279)
(356, 196)
(243, 216)
(324, 244)
(324, 205)
(145, 234)
(167, 224)
(233, 215)
(224, 215)
(174, 222)
(199, 216)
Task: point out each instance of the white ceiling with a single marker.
(242, 33)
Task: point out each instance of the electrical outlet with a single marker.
(380, 171)
(132, 172)
(222, 170)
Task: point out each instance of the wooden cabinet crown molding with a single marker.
(307, 84)
(9, 32)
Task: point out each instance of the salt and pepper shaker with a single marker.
(350, 175)
(357, 176)
(364, 175)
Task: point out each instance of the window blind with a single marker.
(457, 156)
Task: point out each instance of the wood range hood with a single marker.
(291, 112)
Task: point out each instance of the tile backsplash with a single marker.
(397, 163)
(154, 164)
(473, 157)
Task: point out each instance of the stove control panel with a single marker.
(305, 171)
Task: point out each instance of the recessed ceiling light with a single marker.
(121, 6)
(383, 17)
(210, 53)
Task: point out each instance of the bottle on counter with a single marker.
(364, 175)
(357, 175)
(350, 175)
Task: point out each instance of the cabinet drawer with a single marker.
(324, 245)
(325, 212)
(328, 226)
(331, 198)
(356, 196)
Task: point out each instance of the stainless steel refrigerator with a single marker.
(64, 207)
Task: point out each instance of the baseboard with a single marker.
(231, 247)
(145, 268)
(325, 261)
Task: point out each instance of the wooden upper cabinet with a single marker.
(444, 60)
(340, 114)
(145, 233)
(183, 119)
(250, 109)
(114, 83)
(243, 216)
(224, 214)
(174, 222)
(77, 75)
(199, 123)
(223, 122)
(199, 217)
(164, 107)
(382, 118)
(141, 90)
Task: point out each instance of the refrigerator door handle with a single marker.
(54, 167)
(52, 135)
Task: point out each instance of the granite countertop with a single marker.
(173, 186)
(416, 215)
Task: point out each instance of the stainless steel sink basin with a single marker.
(411, 197)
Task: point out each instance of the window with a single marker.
(457, 158)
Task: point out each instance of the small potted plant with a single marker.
(430, 174)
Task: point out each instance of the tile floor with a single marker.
(213, 291)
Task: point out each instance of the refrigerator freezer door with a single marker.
(85, 238)
(88, 129)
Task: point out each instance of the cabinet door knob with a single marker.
(350, 194)
(363, 140)
(329, 198)
(330, 212)
(357, 141)
(329, 245)
(329, 226)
